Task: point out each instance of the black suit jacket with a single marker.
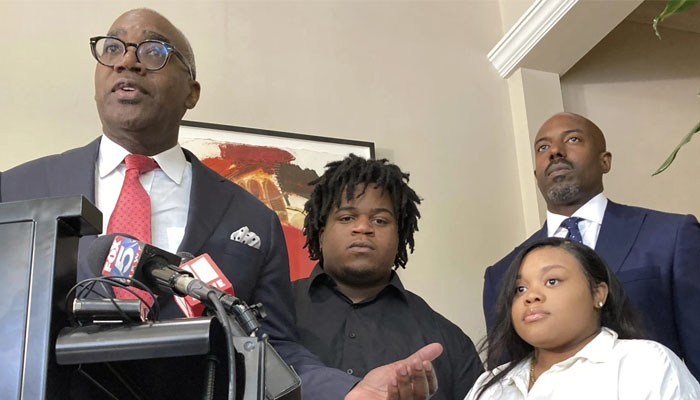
(218, 207)
(656, 255)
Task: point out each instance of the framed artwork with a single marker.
(274, 166)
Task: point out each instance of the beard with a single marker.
(564, 193)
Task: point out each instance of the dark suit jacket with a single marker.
(656, 255)
(218, 207)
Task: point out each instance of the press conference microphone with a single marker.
(122, 255)
(125, 256)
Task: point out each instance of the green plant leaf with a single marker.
(672, 7)
(672, 157)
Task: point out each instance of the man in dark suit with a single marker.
(656, 255)
(144, 83)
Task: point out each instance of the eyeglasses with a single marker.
(152, 54)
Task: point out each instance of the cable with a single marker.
(225, 323)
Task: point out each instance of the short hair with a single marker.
(352, 175)
(503, 341)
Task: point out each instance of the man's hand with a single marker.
(412, 378)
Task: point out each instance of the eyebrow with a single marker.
(545, 269)
(149, 35)
(551, 267)
(374, 210)
(564, 133)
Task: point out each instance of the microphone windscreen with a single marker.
(99, 250)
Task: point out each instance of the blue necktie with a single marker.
(571, 225)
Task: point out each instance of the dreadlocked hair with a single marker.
(353, 175)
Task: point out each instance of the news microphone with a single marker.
(128, 257)
(206, 271)
(124, 256)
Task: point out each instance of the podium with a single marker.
(39, 242)
(39, 247)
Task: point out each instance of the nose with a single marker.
(363, 226)
(556, 150)
(130, 62)
(533, 296)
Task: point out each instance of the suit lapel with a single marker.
(78, 169)
(209, 199)
(618, 232)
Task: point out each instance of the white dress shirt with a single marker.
(606, 368)
(168, 186)
(592, 213)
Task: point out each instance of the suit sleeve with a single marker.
(686, 291)
(273, 289)
(489, 296)
(466, 365)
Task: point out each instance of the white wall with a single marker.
(642, 92)
(411, 76)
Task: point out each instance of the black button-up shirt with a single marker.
(359, 337)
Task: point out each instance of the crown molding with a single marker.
(537, 21)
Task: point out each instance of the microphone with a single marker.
(206, 270)
(128, 257)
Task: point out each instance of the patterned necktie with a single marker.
(132, 214)
(571, 225)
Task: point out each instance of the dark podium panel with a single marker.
(39, 247)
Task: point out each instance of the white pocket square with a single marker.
(245, 236)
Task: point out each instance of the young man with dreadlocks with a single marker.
(353, 312)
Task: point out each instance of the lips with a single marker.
(558, 165)
(128, 87)
(534, 314)
(361, 247)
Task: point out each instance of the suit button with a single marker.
(349, 371)
(352, 335)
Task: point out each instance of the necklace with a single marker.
(532, 372)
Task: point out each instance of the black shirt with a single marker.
(357, 338)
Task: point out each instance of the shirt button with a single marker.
(352, 335)
(349, 371)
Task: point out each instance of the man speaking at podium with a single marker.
(145, 81)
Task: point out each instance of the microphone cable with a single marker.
(231, 352)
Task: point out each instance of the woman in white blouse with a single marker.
(570, 331)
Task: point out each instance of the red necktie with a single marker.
(132, 214)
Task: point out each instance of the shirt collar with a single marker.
(596, 351)
(319, 277)
(592, 211)
(172, 161)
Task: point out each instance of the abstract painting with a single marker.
(274, 166)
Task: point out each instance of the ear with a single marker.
(193, 97)
(320, 238)
(605, 161)
(600, 294)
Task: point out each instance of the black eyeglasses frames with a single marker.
(152, 54)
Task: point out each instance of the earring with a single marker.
(600, 304)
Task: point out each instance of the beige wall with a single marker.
(512, 10)
(410, 76)
(642, 92)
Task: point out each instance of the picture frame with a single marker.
(274, 166)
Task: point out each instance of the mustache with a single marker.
(557, 162)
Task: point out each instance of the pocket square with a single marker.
(245, 236)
